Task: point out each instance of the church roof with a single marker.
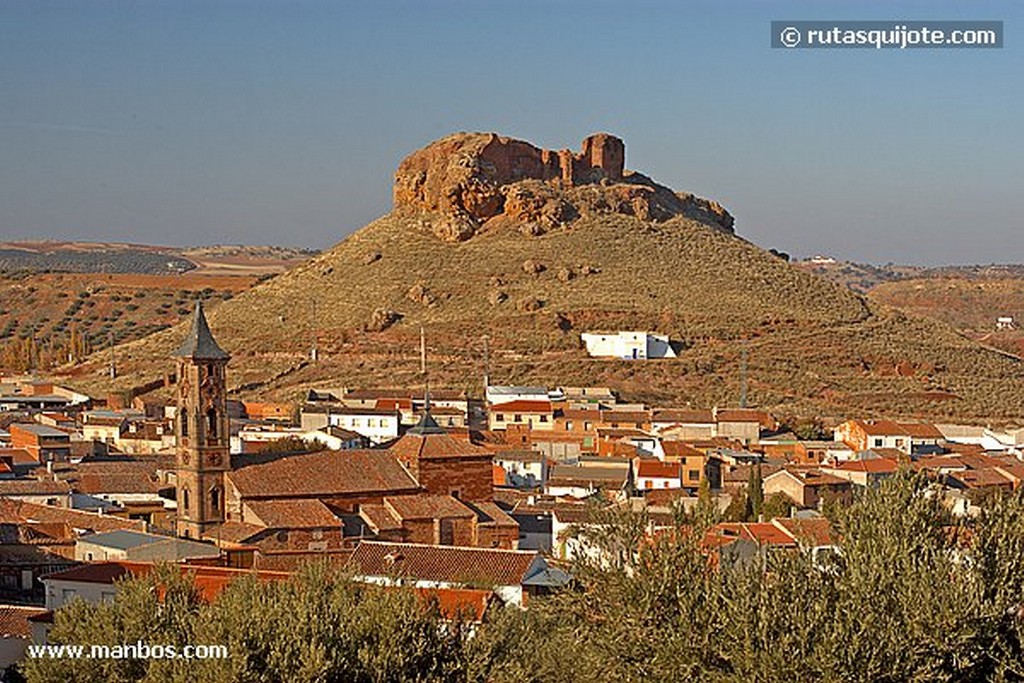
(200, 343)
(323, 474)
(432, 445)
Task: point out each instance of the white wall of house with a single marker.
(651, 483)
(375, 427)
(60, 592)
(628, 345)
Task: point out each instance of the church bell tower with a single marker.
(201, 429)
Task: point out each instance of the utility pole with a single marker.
(312, 350)
(487, 362)
(743, 375)
(423, 352)
(113, 363)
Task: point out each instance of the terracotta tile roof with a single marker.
(679, 449)
(763, 533)
(624, 416)
(744, 415)
(379, 518)
(684, 416)
(33, 487)
(741, 473)
(393, 404)
(870, 466)
(656, 469)
(292, 514)
(1014, 471)
(491, 513)
(813, 532)
(209, 580)
(458, 603)
(126, 476)
(21, 512)
(18, 456)
(914, 430)
(523, 406)
(294, 560)
(815, 477)
(233, 532)
(976, 479)
(425, 506)
(434, 447)
(450, 564)
(14, 620)
(323, 474)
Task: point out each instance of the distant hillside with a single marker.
(532, 287)
(52, 306)
(111, 257)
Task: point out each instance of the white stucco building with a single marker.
(628, 345)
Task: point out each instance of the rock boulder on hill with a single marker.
(472, 181)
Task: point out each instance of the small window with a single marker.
(500, 417)
(568, 426)
(517, 418)
(587, 426)
(215, 499)
(543, 418)
(185, 500)
(184, 423)
(211, 424)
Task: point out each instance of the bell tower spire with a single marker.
(202, 455)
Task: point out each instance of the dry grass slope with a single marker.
(814, 346)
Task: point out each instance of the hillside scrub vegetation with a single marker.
(910, 595)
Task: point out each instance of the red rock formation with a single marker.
(468, 179)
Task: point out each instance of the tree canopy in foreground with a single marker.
(912, 595)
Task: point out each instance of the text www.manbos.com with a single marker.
(138, 650)
(887, 34)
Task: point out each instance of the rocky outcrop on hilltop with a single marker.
(470, 182)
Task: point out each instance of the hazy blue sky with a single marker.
(282, 122)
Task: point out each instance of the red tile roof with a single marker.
(209, 580)
(292, 514)
(323, 474)
(703, 417)
(457, 565)
(21, 512)
(523, 406)
(458, 603)
(426, 506)
(679, 449)
(813, 532)
(656, 469)
(33, 487)
(434, 447)
(14, 620)
(870, 466)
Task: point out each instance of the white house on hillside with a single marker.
(628, 345)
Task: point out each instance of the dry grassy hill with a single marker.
(813, 346)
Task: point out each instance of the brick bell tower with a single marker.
(202, 430)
